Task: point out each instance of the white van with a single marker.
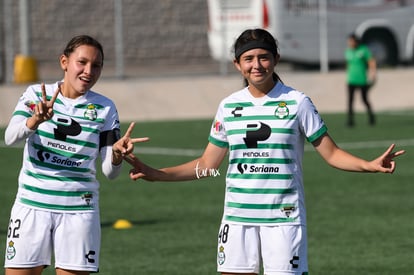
(386, 26)
(228, 18)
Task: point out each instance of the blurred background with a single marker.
(137, 34)
(144, 37)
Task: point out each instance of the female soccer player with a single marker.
(66, 127)
(263, 127)
(361, 70)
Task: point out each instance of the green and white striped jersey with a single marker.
(265, 137)
(59, 158)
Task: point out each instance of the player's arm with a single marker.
(113, 148)
(22, 126)
(210, 160)
(343, 160)
(372, 69)
(43, 110)
(125, 145)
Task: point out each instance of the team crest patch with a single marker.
(10, 251)
(88, 198)
(90, 112)
(221, 257)
(287, 210)
(282, 110)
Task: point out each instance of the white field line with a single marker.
(383, 144)
(164, 151)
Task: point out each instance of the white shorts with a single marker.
(33, 235)
(282, 248)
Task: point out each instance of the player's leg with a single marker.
(238, 249)
(284, 249)
(351, 92)
(29, 246)
(24, 271)
(60, 271)
(364, 95)
(77, 243)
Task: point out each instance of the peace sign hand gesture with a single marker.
(125, 145)
(386, 163)
(43, 110)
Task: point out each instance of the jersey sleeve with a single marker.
(311, 123)
(17, 130)
(218, 134)
(109, 135)
(110, 132)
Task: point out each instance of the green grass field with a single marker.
(357, 223)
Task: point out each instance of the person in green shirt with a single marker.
(361, 73)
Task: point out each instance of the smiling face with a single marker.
(257, 67)
(82, 69)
